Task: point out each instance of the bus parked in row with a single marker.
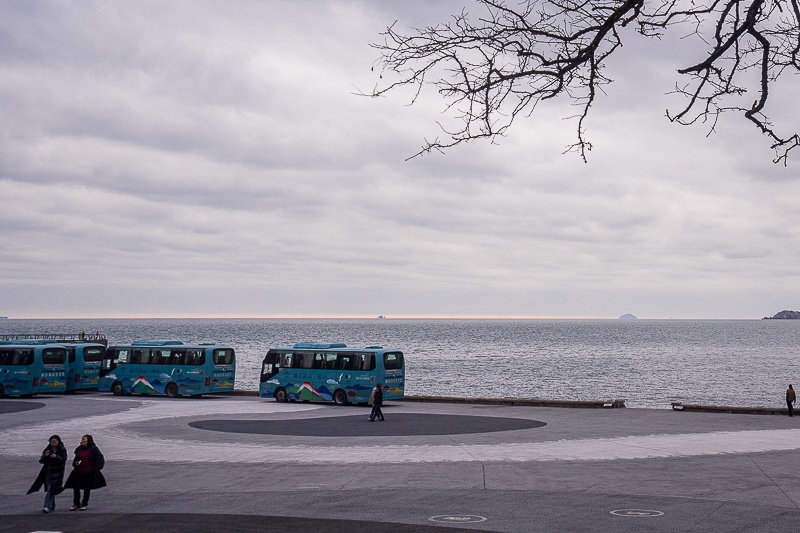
(331, 372)
(167, 367)
(31, 367)
(83, 365)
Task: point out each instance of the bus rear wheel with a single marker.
(339, 397)
(171, 390)
(117, 389)
(2, 391)
(280, 395)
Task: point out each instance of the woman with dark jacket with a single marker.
(86, 475)
(51, 476)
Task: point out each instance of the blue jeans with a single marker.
(376, 411)
(49, 497)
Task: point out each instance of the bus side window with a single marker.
(223, 357)
(319, 360)
(71, 354)
(54, 356)
(6, 357)
(285, 360)
(178, 357)
(297, 361)
(369, 361)
(308, 360)
(358, 361)
(195, 357)
(121, 356)
(392, 361)
(92, 355)
(23, 358)
(344, 362)
(140, 357)
(330, 361)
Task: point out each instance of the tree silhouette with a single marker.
(495, 67)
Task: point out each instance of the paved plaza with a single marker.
(242, 463)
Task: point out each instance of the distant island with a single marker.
(785, 315)
(628, 317)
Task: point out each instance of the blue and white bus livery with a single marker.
(31, 367)
(331, 372)
(167, 367)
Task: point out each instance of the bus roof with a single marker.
(334, 346)
(320, 345)
(155, 343)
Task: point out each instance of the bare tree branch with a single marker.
(515, 56)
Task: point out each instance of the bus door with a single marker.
(363, 375)
(113, 358)
(193, 372)
(345, 362)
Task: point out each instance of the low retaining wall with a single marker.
(680, 406)
(534, 402)
(589, 404)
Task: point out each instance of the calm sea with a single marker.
(650, 363)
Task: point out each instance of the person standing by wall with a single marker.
(51, 476)
(376, 400)
(86, 475)
(791, 397)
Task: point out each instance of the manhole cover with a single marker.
(458, 518)
(636, 512)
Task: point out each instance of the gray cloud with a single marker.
(215, 159)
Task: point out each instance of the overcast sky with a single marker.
(211, 159)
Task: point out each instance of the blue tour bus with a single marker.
(32, 367)
(83, 365)
(167, 367)
(331, 372)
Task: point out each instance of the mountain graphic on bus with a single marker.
(141, 385)
(307, 392)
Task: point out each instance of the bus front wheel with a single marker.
(339, 397)
(116, 389)
(280, 395)
(171, 390)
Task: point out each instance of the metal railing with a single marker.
(81, 336)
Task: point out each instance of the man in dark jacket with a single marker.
(790, 399)
(376, 400)
(51, 476)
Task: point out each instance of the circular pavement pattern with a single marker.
(400, 424)
(10, 406)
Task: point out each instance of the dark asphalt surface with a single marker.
(396, 424)
(12, 406)
(85, 522)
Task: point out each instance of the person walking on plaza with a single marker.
(791, 397)
(376, 401)
(51, 476)
(86, 475)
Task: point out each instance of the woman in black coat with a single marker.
(51, 476)
(86, 475)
